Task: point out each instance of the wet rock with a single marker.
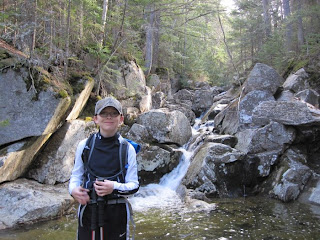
(26, 202)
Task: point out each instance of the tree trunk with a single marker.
(66, 61)
(34, 31)
(266, 18)
(300, 25)
(149, 39)
(81, 22)
(120, 32)
(104, 20)
(156, 40)
(289, 30)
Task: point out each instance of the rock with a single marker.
(18, 109)
(26, 202)
(17, 157)
(288, 113)
(154, 162)
(297, 82)
(145, 103)
(248, 103)
(264, 78)
(292, 178)
(309, 96)
(55, 162)
(215, 170)
(158, 100)
(166, 127)
(274, 136)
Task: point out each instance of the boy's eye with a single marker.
(109, 114)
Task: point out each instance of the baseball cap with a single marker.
(107, 102)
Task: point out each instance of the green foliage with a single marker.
(273, 53)
(63, 93)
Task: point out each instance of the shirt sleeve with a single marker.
(78, 168)
(131, 184)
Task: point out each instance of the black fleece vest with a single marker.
(104, 161)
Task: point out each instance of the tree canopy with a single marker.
(191, 39)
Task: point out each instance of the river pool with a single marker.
(241, 218)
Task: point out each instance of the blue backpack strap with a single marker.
(136, 146)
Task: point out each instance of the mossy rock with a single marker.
(8, 62)
(4, 54)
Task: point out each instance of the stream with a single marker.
(159, 213)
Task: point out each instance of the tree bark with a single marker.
(156, 40)
(120, 32)
(66, 60)
(149, 39)
(300, 25)
(266, 18)
(289, 30)
(104, 20)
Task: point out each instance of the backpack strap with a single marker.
(88, 149)
(123, 151)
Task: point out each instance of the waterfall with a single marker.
(164, 195)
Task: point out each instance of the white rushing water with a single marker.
(164, 195)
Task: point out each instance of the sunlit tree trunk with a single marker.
(104, 20)
(34, 31)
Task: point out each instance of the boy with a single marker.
(98, 181)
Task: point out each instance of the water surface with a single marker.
(241, 218)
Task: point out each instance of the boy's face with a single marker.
(109, 119)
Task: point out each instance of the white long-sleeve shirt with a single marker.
(131, 178)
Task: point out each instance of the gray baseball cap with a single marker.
(107, 102)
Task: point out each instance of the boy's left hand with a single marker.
(103, 187)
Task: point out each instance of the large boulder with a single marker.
(154, 162)
(274, 136)
(292, 176)
(297, 81)
(55, 162)
(260, 86)
(293, 113)
(28, 117)
(166, 127)
(264, 78)
(25, 202)
(215, 170)
(26, 112)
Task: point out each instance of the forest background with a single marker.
(198, 40)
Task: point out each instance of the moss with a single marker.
(88, 119)
(63, 93)
(4, 123)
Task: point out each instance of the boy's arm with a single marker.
(78, 169)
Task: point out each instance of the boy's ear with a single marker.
(95, 118)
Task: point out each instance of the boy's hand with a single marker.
(81, 195)
(103, 187)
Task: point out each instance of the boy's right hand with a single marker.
(81, 195)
